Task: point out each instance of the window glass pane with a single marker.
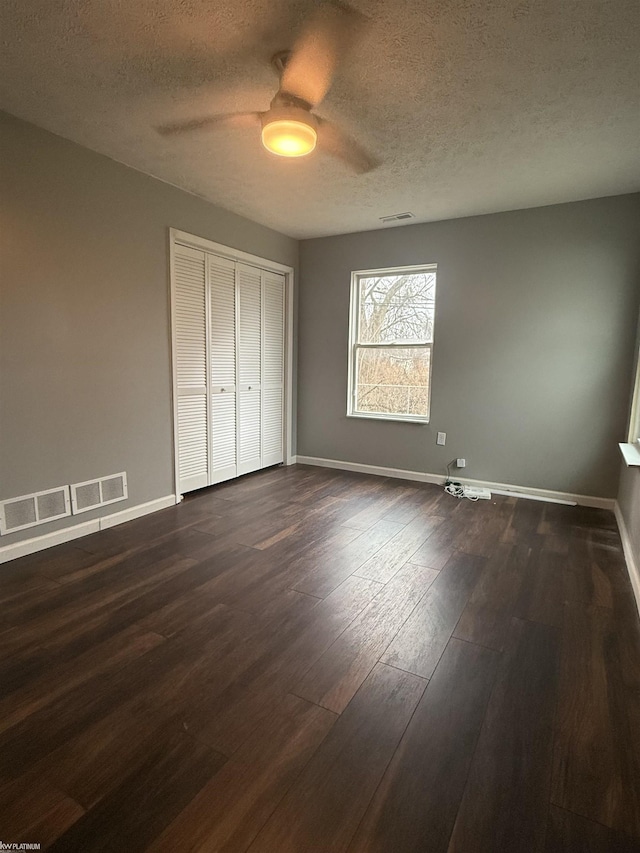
(397, 308)
(393, 381)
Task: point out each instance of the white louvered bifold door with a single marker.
(191, 367)
(222, 369)
(249, 342)
(272, 386)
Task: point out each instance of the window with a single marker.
(391, 338)
(634, 420)
(631, 448)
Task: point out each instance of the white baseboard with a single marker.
(377, 470)
(66, 534)
(136, 511)
(496, 488)
(627, 549)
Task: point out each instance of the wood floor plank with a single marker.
(569, 833)
(381, 505)
(597, 740)
(610, 581)
(544, 587)
(322, 810)
(487, 522)
(41, 645)
(418, 645)
(21, 587)
(333, 680)
(45, 563)
(283, 563)
(51, 825)
(285, 571)
(232, 524)
(505, 802)
(146, 801)
(272, 527)
(35, 694)
(384, 564)
(149, 528)
(326, 576)
(419, 502)
(227, 720)
(28, 801)
(415, 806)
(90, 765)
(487, 617)
(299, 528)
(591, 587)
(179, 614)
(231, 809)
(439, 547)
(159, 674)
(120, 582)
(525, 522)
(90, 758)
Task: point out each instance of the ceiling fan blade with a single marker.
(234, 120)
(332, 140)
(325, 39)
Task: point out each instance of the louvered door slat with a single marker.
(271, 426)
(222, 373)
(192, 441)
(222, 326)
(191, 367)
(189, 317)
(249, 433)
(273, 332)
(223, 437)
(249, 325)
(272, 416)
(249, 341)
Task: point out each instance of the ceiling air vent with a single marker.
(30, 510)
(397, 217)
(94, 493)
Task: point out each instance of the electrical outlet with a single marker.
(442, 438)
(461, 463)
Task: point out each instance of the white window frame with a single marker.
(354, 319)
(634, 420)
(631, 448)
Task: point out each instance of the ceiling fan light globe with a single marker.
(289, 138)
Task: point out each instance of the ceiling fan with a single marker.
(289, 127)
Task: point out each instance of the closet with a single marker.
(228, 336)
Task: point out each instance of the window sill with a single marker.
(631, 454)
(398, 419)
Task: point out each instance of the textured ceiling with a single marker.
(474, 106)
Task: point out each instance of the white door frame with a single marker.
(184, 239)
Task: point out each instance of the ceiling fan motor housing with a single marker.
(289, 113)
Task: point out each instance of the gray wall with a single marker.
(85, 387)
(533, 352)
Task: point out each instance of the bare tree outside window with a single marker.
(392, 335)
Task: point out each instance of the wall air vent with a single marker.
(30, 510)
(95, 493)
(397, 217)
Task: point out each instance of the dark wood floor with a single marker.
(306, 660)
